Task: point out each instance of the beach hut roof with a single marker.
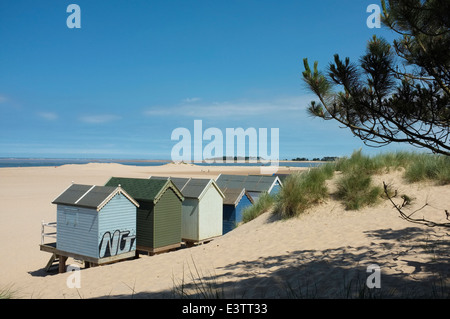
(149, 190)
(179, 182)
(282, 177)
(90, 196)
(252, 183)
(191, 187)
(233, 196)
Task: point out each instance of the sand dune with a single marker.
(323, 254)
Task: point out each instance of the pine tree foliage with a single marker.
(396, 92)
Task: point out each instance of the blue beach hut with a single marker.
(255, 185)
(96, 224)
(234, 203)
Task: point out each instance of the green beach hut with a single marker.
(158, 221)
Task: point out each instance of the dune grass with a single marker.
(428, 167)
(355, 188)
(7, 293)
(359, 161)
(198, 285)
(264, 203)
(418, 166)
(301, 191)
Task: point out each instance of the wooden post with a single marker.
(62, 264)
(42, 233)
(189, 244)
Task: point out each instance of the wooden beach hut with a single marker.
(158, 220)
(96, 224)
(236, 200)
(255, 185)
(202, 208)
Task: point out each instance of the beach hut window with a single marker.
(71, 218)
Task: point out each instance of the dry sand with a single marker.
(322, 254)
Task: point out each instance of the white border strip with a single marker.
(84, 194)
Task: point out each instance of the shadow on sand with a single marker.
(414, 263)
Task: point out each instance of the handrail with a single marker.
(44, 234)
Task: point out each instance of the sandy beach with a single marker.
(322, 254)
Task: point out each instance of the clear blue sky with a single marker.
(136, 70)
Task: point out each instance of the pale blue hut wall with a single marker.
(233, 215)
(117, 227)
(77, 230)
(83, 231)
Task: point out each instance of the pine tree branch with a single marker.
(408, 218)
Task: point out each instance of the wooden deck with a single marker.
(153, 251)
(192, 243)
(61, 256)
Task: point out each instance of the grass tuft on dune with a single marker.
(355, 187)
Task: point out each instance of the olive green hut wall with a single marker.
(167, 217)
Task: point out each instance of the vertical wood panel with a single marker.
(210, 214)
(77, 230)
(145, 225)
(189, 228)
(167, 229)
(118, 215)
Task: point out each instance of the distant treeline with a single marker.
(237, 158)
(323, 159)
(258, 158)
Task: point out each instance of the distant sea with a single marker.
(41, 162)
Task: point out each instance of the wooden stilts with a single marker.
(62, 264)
(190, 244)
(62, 256)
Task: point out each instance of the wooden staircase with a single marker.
(53, 262)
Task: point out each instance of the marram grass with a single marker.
(355, 188)
(7, 293)
(301, 191)
(264, 203)
(428, 167)
(418, 166)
